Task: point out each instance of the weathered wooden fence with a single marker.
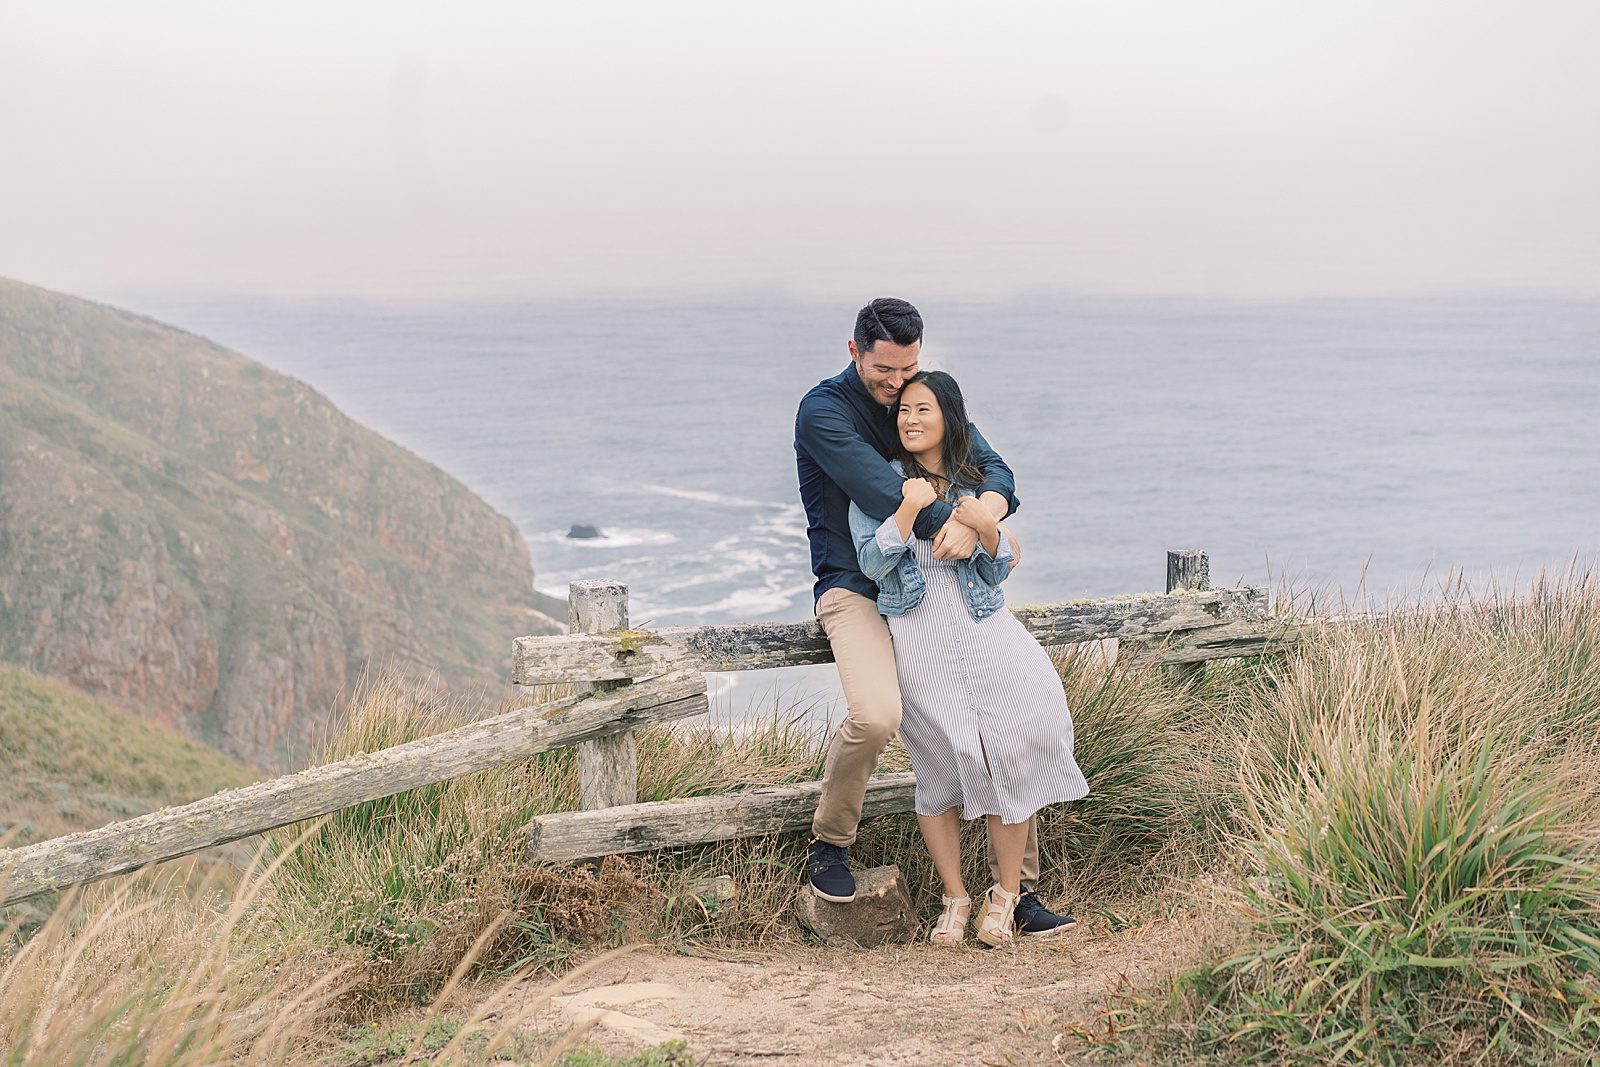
(1184, 627)
(623, 679)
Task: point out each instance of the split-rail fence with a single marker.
(624, 679)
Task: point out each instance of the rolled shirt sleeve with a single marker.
(994, 569)
(878, 545)
(890, 543)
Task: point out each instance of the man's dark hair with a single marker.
(887, 319)
(957, 449)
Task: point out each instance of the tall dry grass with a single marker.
(143, 972)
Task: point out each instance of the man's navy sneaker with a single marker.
(1036, 920)
(829, 869)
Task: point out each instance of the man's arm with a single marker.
(997, 494)
(830, 438)
(997, 477)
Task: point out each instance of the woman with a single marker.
(984, 716)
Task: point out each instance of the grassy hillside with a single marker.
(217, 547)
(70, 762)
(1381, 847)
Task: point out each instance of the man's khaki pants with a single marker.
(865, 658)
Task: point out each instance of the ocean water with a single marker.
(1361, 448)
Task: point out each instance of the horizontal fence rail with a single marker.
(1179, 619)
(253, 809)
(581, 835)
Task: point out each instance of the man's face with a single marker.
(885, 367)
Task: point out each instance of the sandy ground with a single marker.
(916, 1004)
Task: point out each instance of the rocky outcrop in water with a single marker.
(215, 546)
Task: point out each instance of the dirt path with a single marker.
(792, 1005)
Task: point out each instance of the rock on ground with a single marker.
(881, 914)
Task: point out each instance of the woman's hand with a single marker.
(918, 492)
(975, 516)
(915, 494)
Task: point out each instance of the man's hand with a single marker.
(1016, 547)
(971, 513)
(956, 541)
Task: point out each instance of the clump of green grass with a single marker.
(1135, 741)
(697, 759)
(437, 1039)
(1556, 628)
(1417, 842)
(1416, 893)
(670, 1054)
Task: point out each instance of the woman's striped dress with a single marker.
(974, 689)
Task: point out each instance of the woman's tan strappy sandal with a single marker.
(951, 929)
(996, 927)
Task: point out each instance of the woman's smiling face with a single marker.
(921, 422)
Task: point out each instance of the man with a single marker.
(844, 434)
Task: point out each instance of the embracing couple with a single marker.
(904, 501)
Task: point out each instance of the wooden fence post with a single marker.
(1189, 571)
(608, 767)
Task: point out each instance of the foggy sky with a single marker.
(1193, 146)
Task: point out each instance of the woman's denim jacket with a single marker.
(887, 559)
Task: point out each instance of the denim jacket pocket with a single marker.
(902, 588)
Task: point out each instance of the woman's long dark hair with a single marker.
(957, 449)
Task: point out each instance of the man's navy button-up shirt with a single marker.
(842, 442)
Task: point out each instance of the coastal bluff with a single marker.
(217, 548)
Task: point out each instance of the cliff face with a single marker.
(217, 547)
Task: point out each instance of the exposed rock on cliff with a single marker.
(215, 546)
